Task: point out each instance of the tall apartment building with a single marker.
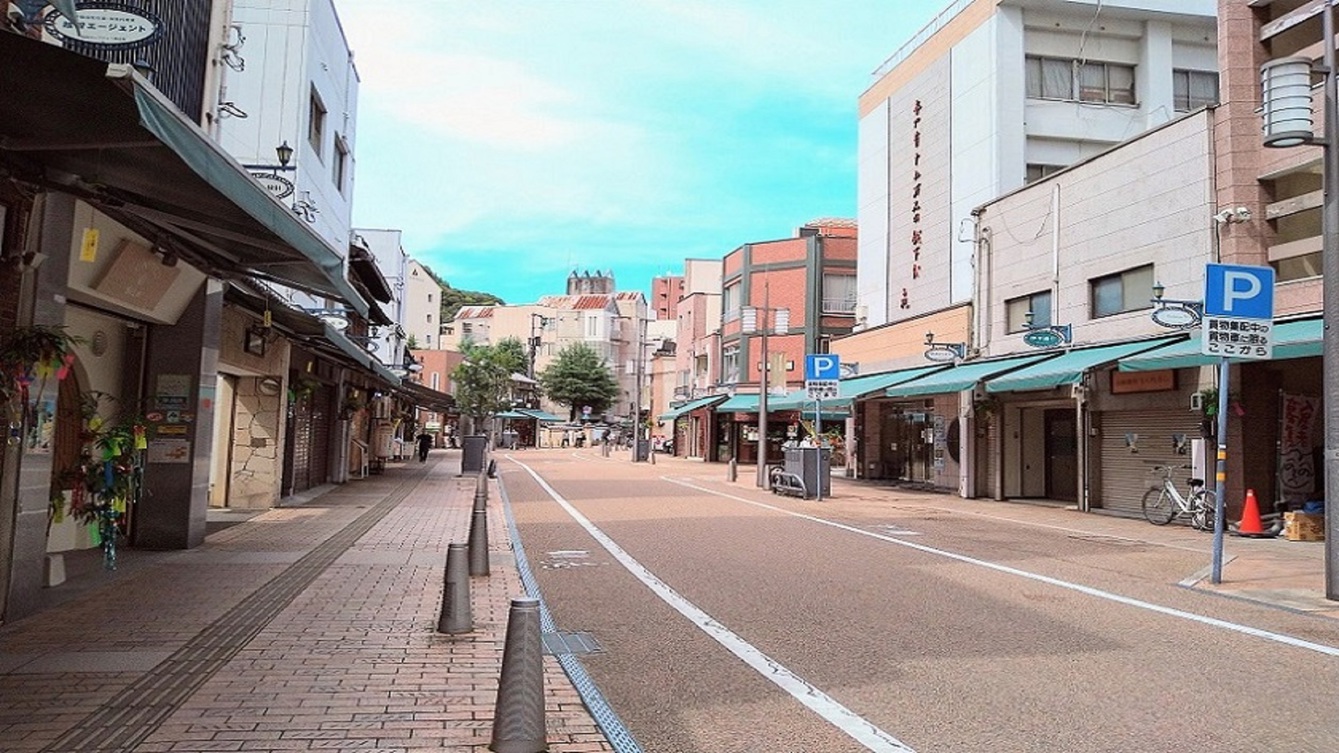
(993, 94)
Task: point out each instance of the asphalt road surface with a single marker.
(735, 620)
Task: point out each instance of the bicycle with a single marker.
(1161, 505)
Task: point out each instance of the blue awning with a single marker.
(1068, 368)
(1300, 338)
(690, 406)
(963, 376)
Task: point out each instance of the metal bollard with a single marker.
(456, 616)
(481, 498)
(518, 716)
(479, 543)
(481, 484)
(731, 470)
(653, 456)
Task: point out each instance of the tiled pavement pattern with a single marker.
(307, 628)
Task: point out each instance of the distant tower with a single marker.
(600, 283)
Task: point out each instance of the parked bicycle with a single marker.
(1165, 503)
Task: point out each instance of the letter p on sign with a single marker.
(1238, 291)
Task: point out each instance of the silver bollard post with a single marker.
(731, 470)
(518, 716)
(456, 616)
(481, 498)
(479, 543)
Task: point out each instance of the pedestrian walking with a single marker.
(424, 444)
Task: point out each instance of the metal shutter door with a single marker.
(1125, 475)
(301, 434)
(321, 415)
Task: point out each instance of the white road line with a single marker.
(851, 724)
(1088, 590)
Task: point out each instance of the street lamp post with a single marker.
(760, 318)
(1286, 109)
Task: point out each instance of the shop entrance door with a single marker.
(1062, 456)
(908, 454)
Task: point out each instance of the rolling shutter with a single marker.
(1125, 473)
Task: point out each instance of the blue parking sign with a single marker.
(1238, 291)
(822, 366)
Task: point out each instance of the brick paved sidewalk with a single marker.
(304, 628)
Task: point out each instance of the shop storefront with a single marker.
(692, 424)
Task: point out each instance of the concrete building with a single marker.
(990, 95)
(422, 308)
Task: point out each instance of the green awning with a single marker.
(1068, 368)
(1300, 338)
(102, 133)
(964, 376)
(540, 415)
(359, 355)
(851, 389)
(741, 404)
(691, 405)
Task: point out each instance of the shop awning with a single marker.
(102, 133)
(742, 404)
(1300, 338)
(540, 415)
(690, 406)
(426, 397)
(1068, 368)
(963, 376)
(359, 355)
(511, 414)
(852, 389)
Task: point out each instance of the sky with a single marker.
(514, 141)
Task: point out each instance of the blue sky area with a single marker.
(516, 140)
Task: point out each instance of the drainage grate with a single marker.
(580, 643)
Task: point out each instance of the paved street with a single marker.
(725, 619)
(310, 627)
(732, 620)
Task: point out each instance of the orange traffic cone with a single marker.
(1250, 525)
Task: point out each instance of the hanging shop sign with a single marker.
(107, 26)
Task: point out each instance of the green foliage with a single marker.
(483, 380)
(579, 377)
(511, 352)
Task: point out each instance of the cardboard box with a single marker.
(1304, 526)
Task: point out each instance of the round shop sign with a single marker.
(940, 354)
(278, 185)
(1042, 338)
(106, 26)
(1175, 317)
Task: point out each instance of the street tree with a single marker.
(578, 377)
(483, 381)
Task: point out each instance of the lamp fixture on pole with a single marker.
(941, 352)
(1173, 313)
(1286, 111)
(1046, 335)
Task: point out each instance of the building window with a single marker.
(436, 378)
(839, 294)
(316, 123)
(340, 163)
(1130, 290)
(429, 318)
(1192, 90)
(1082, 81)
(730, 302)
(429, 297)
(1297, 267)
(730, 364)
(1036, 172)
(1016, 311)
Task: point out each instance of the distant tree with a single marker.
(511, 352)
(483, 381)
(411, 342)
(579, 377)
(453, 299)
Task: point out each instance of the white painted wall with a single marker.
(872, 216)
(422, 306)
(978, 127)
(1147, 201)
(291, 47)
(394, 265)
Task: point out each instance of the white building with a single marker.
(287, 78)
(422, 303)
(991, 95)
(389, 343)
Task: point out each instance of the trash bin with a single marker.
(814, 467)
(472, 453)
(641, 450)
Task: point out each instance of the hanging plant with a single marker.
(985, 407)
(28, 356)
